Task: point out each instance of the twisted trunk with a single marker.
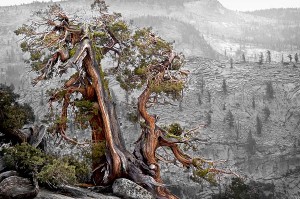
(142, 167)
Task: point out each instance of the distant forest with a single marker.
(164, 2)
(286, 14)
(281, 34)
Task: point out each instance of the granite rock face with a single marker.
(127, 189)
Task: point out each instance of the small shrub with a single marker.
(82, 168)
(24, 158)
(57, 173)
(175, 129)
(50, 170)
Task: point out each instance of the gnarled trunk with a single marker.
(142, 167)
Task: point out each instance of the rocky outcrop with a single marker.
(15, 187)
(127, 189)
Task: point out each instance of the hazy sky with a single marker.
(18, 2)
(244, 5)
(241, 5)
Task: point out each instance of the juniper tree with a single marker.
(64, 44)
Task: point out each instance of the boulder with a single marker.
(7, 174)
(69, 192)
(127, 189)
(77, 192)
(15, 187)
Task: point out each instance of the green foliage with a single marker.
(140, 71)
(203, 171)
(119, 26)
(57, 173)
(24, 46)
(72, 52)
(174, 129)
(85, 112)
(35, 55)
(171, 88)
(104, 81)
(82, 168)
(24, 158)
(84, 105)
(98, 151)
(50, 170)
(25, 30)
(13, 115)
